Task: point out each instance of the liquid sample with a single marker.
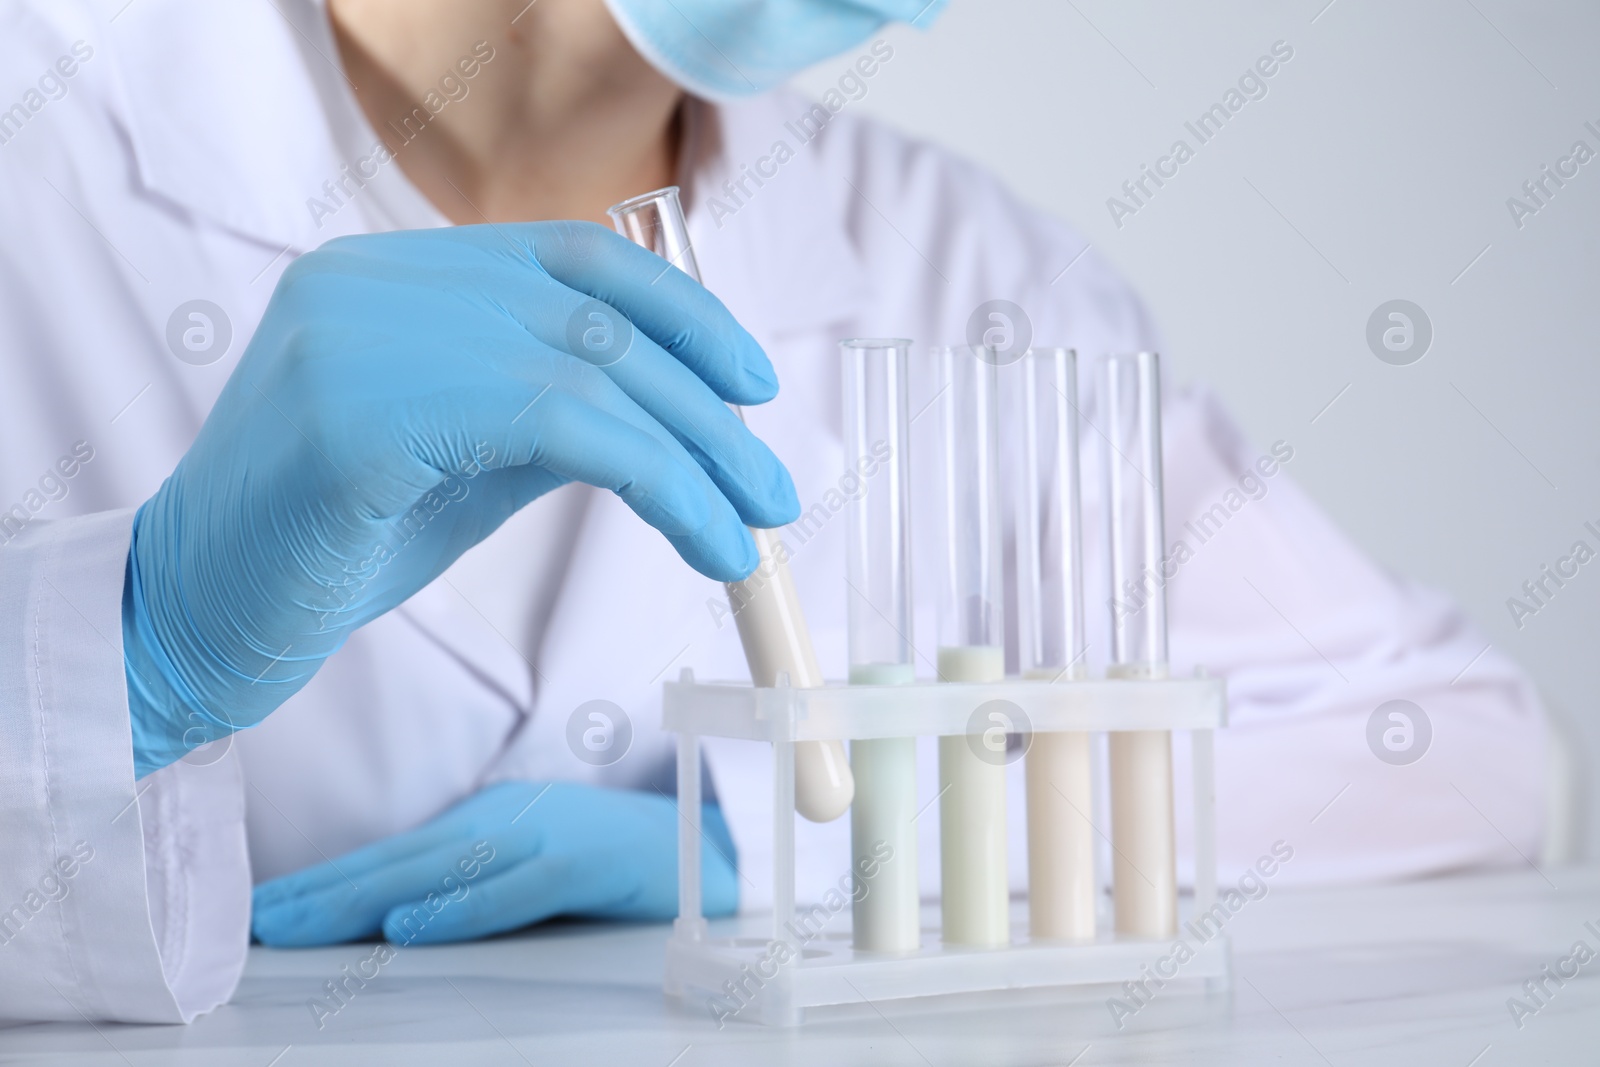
(974, 882)
(772, 628)
(883, 835)
(1061, 882)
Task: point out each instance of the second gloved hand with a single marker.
(515, 853)
(403, 395)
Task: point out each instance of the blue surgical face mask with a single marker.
(731, 48)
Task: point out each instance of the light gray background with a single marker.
(1377, 167)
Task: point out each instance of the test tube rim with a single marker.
(633, 203)
(875, 342)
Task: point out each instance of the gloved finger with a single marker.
(501, 494)
(443, 832)
(536, 889)
(483, 503)
(668, 306)
(354, 868)
(666, 386)
(739, 462)
(329, 913)
(592, 432)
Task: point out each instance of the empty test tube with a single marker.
(1144, 876)
(767, 612)
(1052, 644)
(883, 835)
(972, 803)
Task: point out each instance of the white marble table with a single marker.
(1415, 974)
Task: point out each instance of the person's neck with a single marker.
(564, 120)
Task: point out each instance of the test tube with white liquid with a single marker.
(1144, 845)
(883, 834)
(1052, 645)
(972, 774)
(767, 613)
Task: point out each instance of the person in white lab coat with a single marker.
(164, 165)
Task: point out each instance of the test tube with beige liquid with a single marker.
(1052, 645)
(974, 889)
(883, 832)
(772, 626)
(1144, 845)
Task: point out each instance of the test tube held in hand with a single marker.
(883, 833)
(974, 882)
(1052, 644)
(1144, 845)
(766, 607)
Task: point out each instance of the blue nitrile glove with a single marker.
(404, 394)
(515, 853)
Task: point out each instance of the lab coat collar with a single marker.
(773, 248)
(225, 120)
(223, 114)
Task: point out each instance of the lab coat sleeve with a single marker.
(119, 900)
(1318, 643)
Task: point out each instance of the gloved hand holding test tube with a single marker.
(766, 607)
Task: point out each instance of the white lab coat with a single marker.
(178, 165)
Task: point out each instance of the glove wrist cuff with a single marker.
(167, 719)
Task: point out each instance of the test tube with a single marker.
(975, 891)
(1053, 644)
(883, 837)
(766, 607)
(1144, 876)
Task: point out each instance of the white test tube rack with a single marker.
(827, 970)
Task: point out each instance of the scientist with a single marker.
(283, 337)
